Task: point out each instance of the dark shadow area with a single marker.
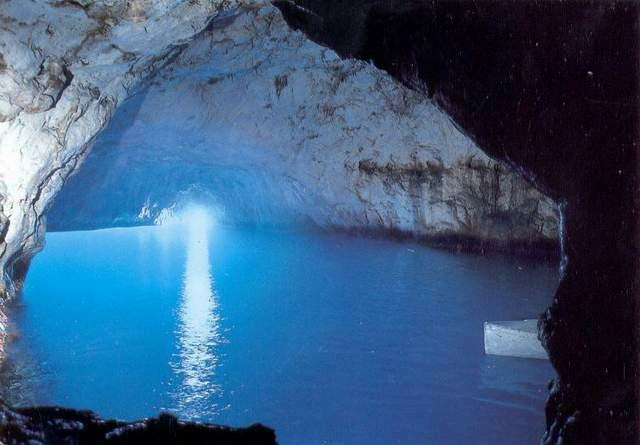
(63, 426)
(552, 88)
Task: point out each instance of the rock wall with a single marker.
(275, 129)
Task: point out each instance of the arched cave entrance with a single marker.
(596, 379)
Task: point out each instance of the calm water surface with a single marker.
(329, 339)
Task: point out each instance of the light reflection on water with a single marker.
(198, 333)
(326, 338)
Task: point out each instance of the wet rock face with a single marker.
(51, 426)
(552, 88)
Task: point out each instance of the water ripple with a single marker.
(198, 333)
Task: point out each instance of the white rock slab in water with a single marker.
(513, 338)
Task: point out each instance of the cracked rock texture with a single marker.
(275, 129)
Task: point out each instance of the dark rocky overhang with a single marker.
(553, 88)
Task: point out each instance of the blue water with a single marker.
(329, 339)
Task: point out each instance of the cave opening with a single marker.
(222, 286)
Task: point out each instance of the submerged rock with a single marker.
(52, 425)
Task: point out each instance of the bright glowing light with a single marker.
(197, 219)
(190, 215)
(199, 330)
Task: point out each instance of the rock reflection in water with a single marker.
(198, 332)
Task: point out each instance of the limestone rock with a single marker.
(275, 129)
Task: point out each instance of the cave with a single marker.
(302, 214)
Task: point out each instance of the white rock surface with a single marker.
(275, 128)
(338, 142)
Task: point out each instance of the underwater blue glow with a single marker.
(327, 338)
